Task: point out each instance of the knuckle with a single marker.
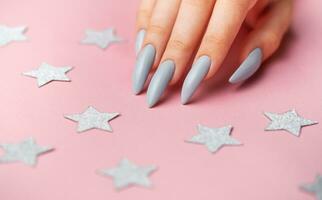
(156, 29)
(198, 3)
(212, 40)
(272, 39)
(144, 14)
(179, 45)
(242, 4)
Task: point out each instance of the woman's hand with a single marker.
(170, 32)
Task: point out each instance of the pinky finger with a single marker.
(264, 40)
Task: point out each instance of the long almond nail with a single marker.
(139, 40)
(197, 73)
(159, 82)
(143, 66)
(250, 65)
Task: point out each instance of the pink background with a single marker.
(270, 165)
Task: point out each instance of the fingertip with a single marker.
(212, 71)
(248, 67)
(175, 79)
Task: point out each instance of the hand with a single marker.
(170, 32)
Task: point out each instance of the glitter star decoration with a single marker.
(11, 34)
(289, 121)
(27, 152)
(47, 73)
(315, 187)
(214, 138)
(128, 173)
(102, 39)
(91, 118)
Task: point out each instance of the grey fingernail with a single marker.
(139, 40)
(143, 66)
(197, 73)
(250, 65)
(160, 81)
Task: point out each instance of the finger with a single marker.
(225, 22)
(158, 33)
(255, 13)
(142, 21)
(264, 40)
(191, 22)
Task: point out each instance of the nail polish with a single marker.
(139, 40)
(249, 66)
(198, 72)
(143, 66)
(160, 81)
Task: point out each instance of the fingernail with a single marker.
(160, 81)
(143, 66)
(250, 65)
(197, 73)
(139, 40)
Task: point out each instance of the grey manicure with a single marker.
(197, 73)
(139, 40)
(250, 65)
(160, 81)
(143, 66)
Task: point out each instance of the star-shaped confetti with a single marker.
(11, 34)
(91, 118)
(214, 138)
(27, 152)
(47, 73)
(128, 173)
(102, 39)
(289, 121)
(315, 187)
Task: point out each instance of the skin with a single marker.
(180, 28)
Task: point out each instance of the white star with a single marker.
(315, 187)
(27, 152)
(91, 118)
(47, 73)
(102, 39)
(289, 121)
(214, 138)
(8, 34)
(128, 173)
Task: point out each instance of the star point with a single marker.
(27, 152)
(47, 73)
(11, 34)
(315, 187)
(128, 173)
(102, 39)
(92, 119)
(214, 138)
(289, 121)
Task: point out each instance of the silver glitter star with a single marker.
(214, 138)
(27, 152)
(91, 118)
(47, 73)
(8, 34)
(102, 39)
(289, 121)
(128, 173)
(315, 187)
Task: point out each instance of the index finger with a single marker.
(142, 21)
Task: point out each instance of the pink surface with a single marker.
(270, 165)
